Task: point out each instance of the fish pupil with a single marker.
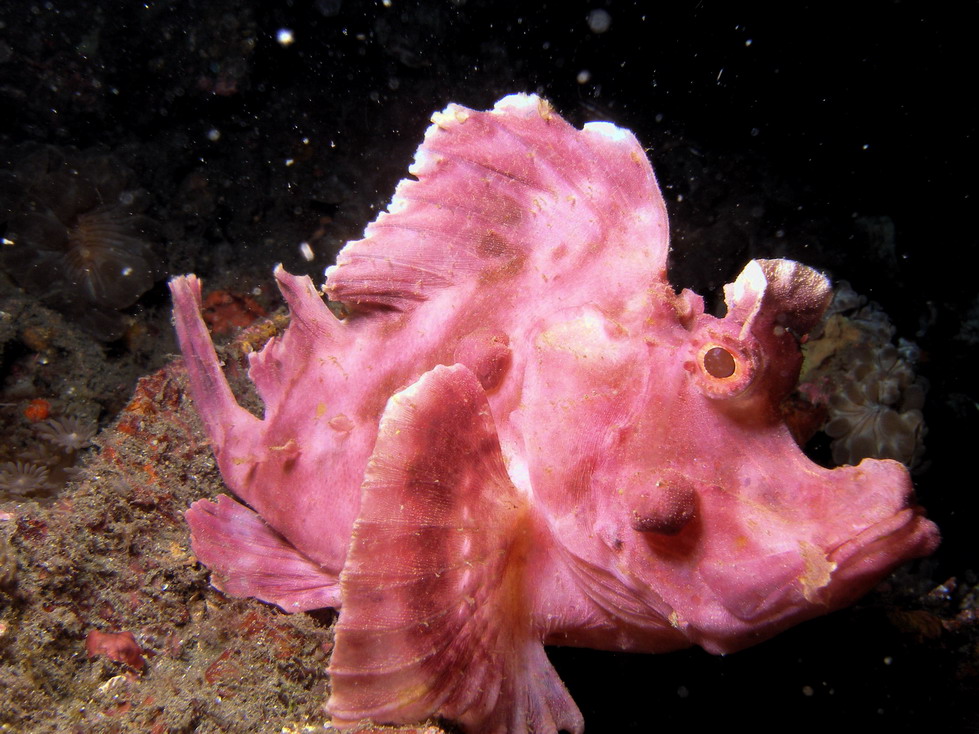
(719, 363)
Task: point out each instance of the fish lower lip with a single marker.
(899, 529)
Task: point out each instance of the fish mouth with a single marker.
(860, 561)
(786, 587)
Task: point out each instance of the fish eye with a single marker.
(719, 363)
(724, 366)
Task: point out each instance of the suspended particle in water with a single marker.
(599, 20)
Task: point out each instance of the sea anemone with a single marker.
(864, 428)
(67, 433)
(23, 477)
(77, 237)
(878, 414)
(867, 385)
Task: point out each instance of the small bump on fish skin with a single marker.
(341, 423)
(666, 508)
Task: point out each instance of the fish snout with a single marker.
(849, 532)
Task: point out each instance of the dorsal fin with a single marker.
(496, 190)
(435, 579)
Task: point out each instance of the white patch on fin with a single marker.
(611, 131)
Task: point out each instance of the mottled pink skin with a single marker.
(516, 438)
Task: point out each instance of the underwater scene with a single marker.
(486, 368)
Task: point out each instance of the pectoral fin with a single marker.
(437, 617)
(248, 558)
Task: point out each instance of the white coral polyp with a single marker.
(23, 477)
(69, 434)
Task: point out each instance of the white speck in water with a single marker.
(599, 20)
(284, 37)
(306, 251)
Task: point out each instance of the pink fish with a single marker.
(520, 436)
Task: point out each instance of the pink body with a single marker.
(522, 436)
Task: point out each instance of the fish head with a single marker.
(668, 472)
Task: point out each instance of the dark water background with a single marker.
(771, 131)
